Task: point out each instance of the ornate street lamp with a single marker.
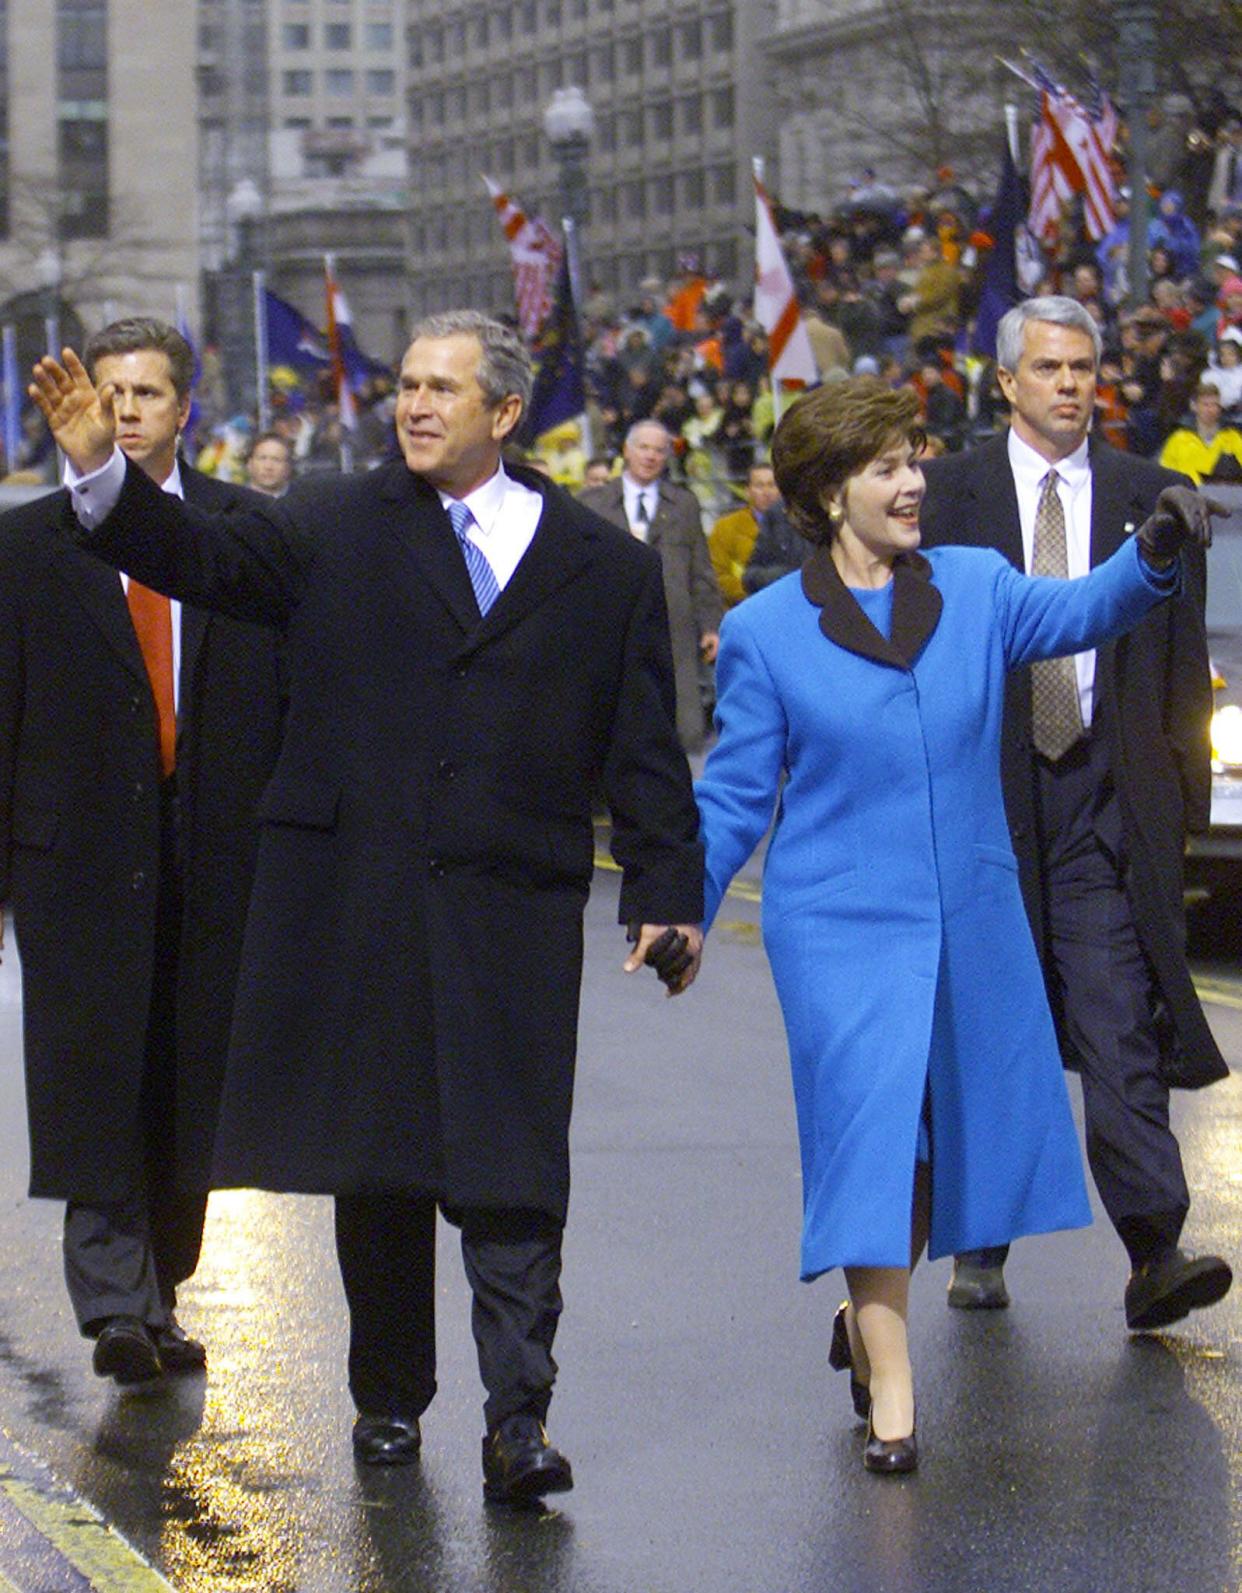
(1136, 61)
(243, 210)
(569, 122)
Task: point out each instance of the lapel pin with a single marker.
(1129, 528)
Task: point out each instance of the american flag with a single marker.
(1071, 146)
(535, 252)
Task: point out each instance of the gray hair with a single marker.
(650, 420)
(136, 334)
(1055, 307)
(504, 364)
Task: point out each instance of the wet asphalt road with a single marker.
(714, 1450)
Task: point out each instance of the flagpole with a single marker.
(263, 407)
(12, 400)
(1011, 128)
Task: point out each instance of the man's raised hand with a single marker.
(80, 419)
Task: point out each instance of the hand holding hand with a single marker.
(673, 950)
(1181, 515)
(80, 419)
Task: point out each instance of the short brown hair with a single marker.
(826, 436)
(139, 333)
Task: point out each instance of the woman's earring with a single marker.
(835, 513)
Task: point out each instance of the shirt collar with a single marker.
(485, 501)
(1030, 468)
(173, 482)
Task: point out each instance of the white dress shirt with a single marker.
(506, 515)
(631, 491)
(94, 495)
(1074, 491)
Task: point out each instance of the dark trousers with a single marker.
(125, 1257)
(1099, 985)
(385, 1243)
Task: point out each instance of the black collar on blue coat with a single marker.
(916, 609)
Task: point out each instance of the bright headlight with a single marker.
(1227, 735)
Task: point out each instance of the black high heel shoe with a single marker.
(890, 1456)
(841, 1359)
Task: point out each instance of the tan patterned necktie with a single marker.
(1056, 714)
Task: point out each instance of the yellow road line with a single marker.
(80, 1535)
(741, 889)
(1219, 992)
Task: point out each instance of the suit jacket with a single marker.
(80, 844)
(691, 590)
(408, 997)
(1153, 703)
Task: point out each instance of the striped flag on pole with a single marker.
(1071, 149)
(338, 318)
(535, 252)
(776, 303)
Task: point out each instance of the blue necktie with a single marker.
(482, 576)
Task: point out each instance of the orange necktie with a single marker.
(152, 617)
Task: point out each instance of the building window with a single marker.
(661, 43)
(380, 80)
(338, 36)
(339, 81)
(662, 119)
(724, 185)
(722, 107)
(84, 178)
(481, 31)
(692, 190)
(633, 200)
(692, 114)
(661, 196)
(692, 39)
(379, 35)
(296, 83)
(605, 63)
(82, 51)
(721, 25)
(632, 56)
(552, 13)
(296, 124)
(295, 35)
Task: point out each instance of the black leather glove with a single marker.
(1181, 515)
(669, 955)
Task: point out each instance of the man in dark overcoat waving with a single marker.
(128, 829)
(471, 657)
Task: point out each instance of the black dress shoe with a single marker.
(386, 1440)
(125, 1351)
(1170, 1286)
(841, 1358)
(520, 1465)
(178, 1352)
(976, 1286)
(890, 1456)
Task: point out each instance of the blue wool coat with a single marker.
(892, 915)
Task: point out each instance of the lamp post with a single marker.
(50, 271)
(569, 122)
(1136, 61)
(243, 210)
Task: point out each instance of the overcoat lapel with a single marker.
(556, 555)
(1115, 508)
(916, 609)
(415, 521)
(991, 486)
(97, 587)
